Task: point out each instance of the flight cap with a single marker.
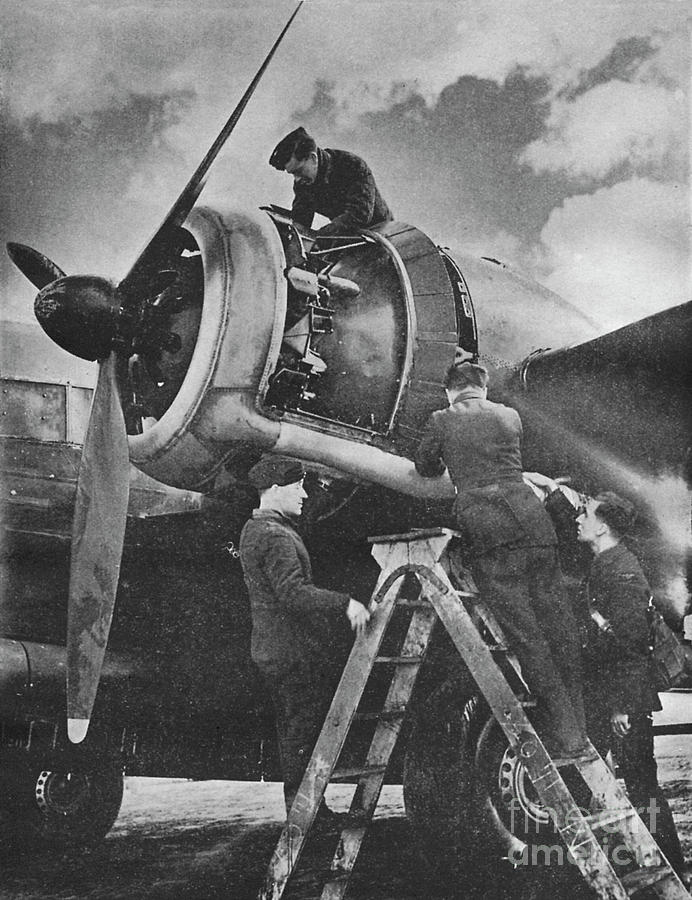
(467, 373)
(284, 149)
(272, 470)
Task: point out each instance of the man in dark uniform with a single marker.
(619, 690)
(511, 546)
(293, 620)
(335, 183)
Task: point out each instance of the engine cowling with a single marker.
(330, 351)
(364, 380)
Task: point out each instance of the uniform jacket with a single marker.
(291, 616)
(617, 662)
(344, 191)
(480, 444)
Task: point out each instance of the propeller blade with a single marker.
(34, 265)
(98, 534)
(182, 206)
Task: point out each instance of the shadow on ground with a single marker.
(211, 861)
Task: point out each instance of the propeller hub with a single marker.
(80, 313)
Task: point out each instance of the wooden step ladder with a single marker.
(447, 592)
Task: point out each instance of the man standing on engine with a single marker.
(335, 183)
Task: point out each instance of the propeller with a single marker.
(125, 328)
(81, 313)
(38, 268)
(98, 533)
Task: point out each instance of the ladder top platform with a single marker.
(417, 534)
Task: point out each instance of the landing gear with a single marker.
(58, 800)
(472, 807)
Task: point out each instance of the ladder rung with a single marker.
(330, 876)
(467, 593)
(600, 820)
(645, 877)
(399, 660)
(414, 604)
(358, 772)
(565, 762)
(383, 715)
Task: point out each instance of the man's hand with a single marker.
(358, 616)
(544, 482)
(620, 723)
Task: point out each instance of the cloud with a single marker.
(110, 106)
(67, 184)
(621, 64)
(671, 63)
(626, 115)
(620, 253)
(449, 166)
(641, 126)
(93, 54)
(554, 39)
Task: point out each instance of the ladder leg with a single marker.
(617, 815)
(328, 747)
(575, 829)
(612, 799)
(386, 733)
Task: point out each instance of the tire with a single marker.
(59, 800)
(472, 808)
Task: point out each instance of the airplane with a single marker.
(238, 333)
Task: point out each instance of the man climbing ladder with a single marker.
(425, 557)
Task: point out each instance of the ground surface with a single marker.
(204, 840)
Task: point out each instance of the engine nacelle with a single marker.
(340, 378)
(329, 350)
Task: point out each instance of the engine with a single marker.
(329, 350)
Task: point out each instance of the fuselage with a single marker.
(336, 358)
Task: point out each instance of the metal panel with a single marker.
(32, 409)
(77, 413)
(432, 360)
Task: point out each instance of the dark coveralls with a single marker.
(293, 623)
(344, 191)
(618, 678)
(511, 546)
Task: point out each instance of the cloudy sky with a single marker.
(552, 135)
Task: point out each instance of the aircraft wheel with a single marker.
(472, 807)
(63, 800)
